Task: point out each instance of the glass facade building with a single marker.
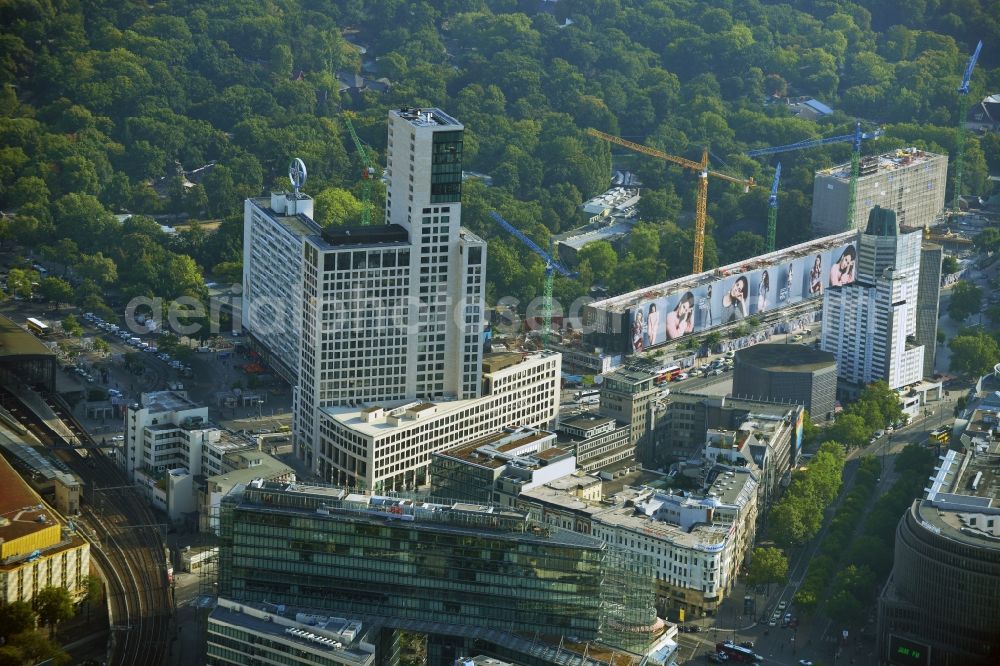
(407, 560)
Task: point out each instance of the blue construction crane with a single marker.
(963, 109)
(854, 138)
(772, 213)
(551, 268)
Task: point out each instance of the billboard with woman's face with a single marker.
(737, 296)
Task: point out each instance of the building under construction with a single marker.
(909, 181)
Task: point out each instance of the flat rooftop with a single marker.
(786, 358)
(15, 341)
(703, 536)
(492, 450)
(20, 506)
(375, 234)
(319, 634)
(167, 401)
(430, 117)
(579, 237)
(887, 162)
(361, 506)
(298, 225)
(586, 422)
(963, 496)
(623, 302)
(559, 493)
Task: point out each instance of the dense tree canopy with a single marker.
(103, 106)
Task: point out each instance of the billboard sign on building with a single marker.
(737, 296)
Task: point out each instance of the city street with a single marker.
(815, 637)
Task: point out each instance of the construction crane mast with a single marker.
(701, 203)
(367, 173)
(551, 268)
(963, 109)
(772, 213)
(854, 138)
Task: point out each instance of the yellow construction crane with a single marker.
(704, 172)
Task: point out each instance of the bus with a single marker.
(580, 395)
(669, 374)
(738, 652)
(39, 328)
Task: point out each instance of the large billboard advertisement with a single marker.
(737, 296)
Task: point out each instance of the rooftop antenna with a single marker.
(297, 174)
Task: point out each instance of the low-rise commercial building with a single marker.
(183, 463)
(35, 550)
(596, 441)
(241, 467)
(695, 544)
(496, 468)
(389, 446)
(681, 423)
(692, 542)
(625, 396)
(569, 502)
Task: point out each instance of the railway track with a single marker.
(129, 549)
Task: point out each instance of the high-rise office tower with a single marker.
(447, 263)
(372, 313)
(386, 315)
(870, 324)
(910, 182)
(928, 301)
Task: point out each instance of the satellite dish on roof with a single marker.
(297, 174)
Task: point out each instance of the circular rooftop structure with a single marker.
(785, 358)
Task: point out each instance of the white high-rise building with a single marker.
(869, 325)
(271, 306)
(385, 314)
